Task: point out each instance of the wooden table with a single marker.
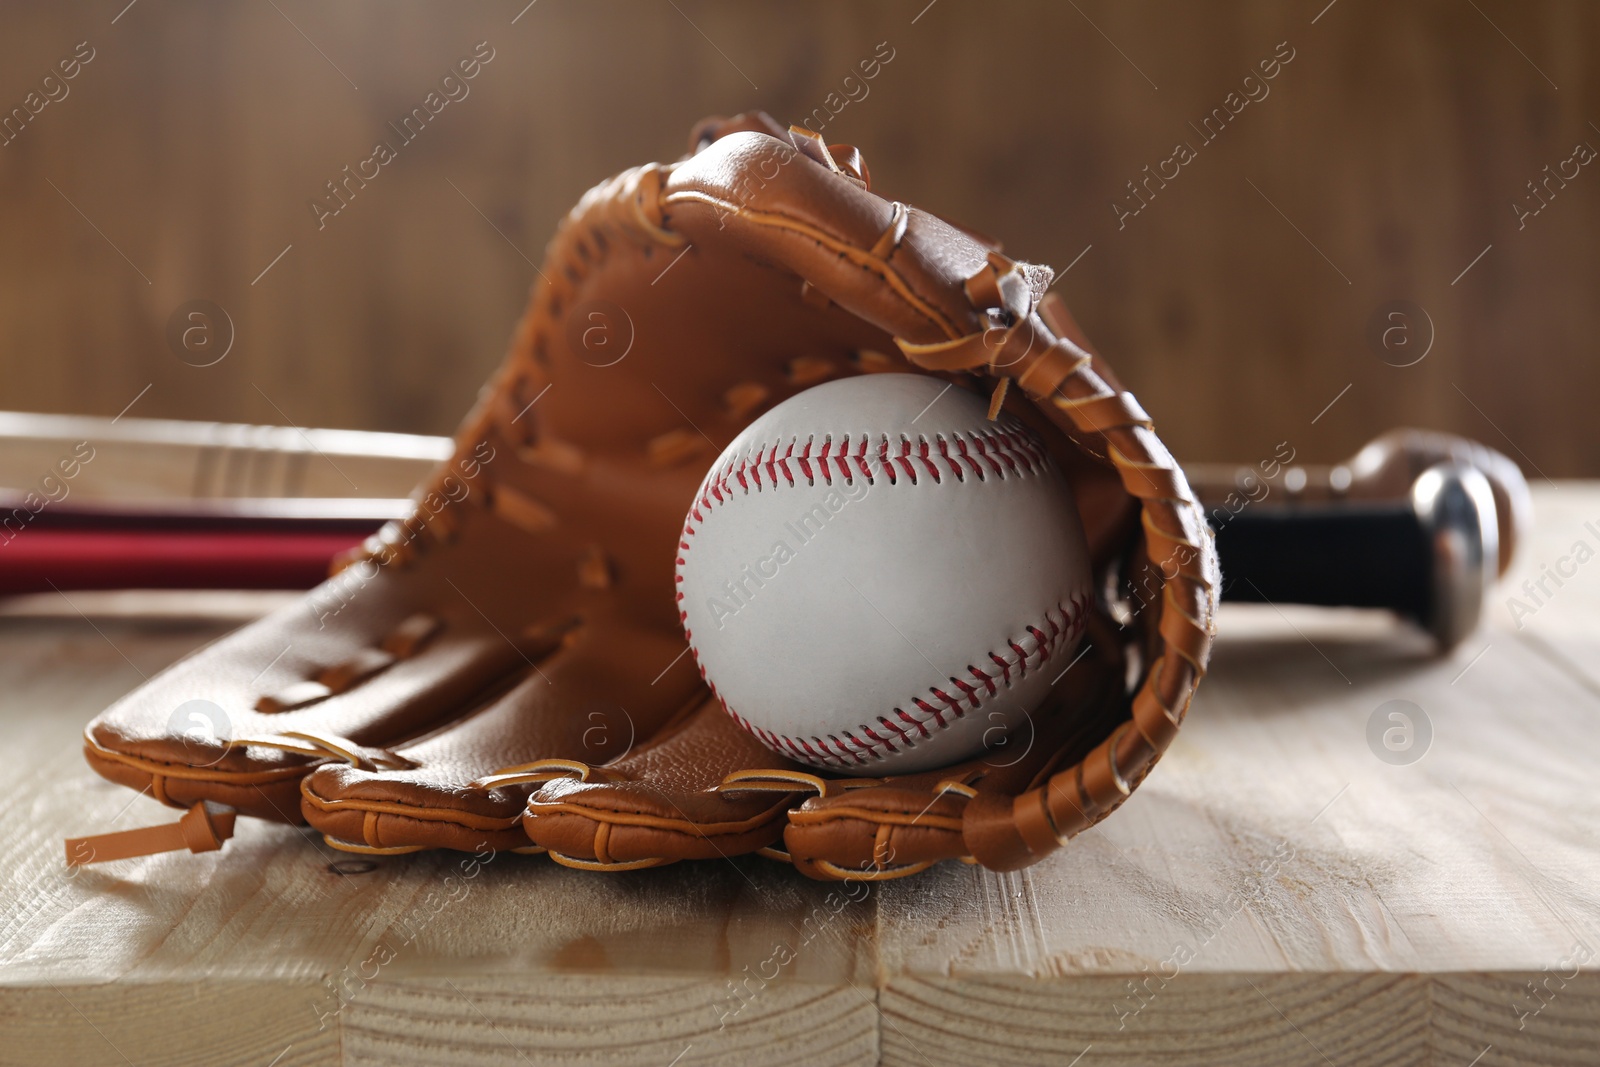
(1275, 894)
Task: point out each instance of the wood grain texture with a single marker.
(1273, 895)
(1386, 158)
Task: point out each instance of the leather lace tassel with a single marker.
(203, 828)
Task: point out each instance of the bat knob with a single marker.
(1430, 553)
(1457, 517)
(1394, 460)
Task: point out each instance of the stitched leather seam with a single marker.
(922, 716)
(897, 282)
(467, 819)
(874, 817)
(192, 774)
(688, 827)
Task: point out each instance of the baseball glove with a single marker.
(506, 669)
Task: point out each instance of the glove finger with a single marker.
(351, 667)
(665, 801)
(465, 785)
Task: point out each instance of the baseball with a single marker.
(876, 579)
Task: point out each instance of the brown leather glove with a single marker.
(814, 266)
(519, 633)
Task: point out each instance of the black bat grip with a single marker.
(1371, 554)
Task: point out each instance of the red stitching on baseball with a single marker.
(923, 705)
(953, 704)
(914, 722)
(892, 726)
(805, 463)
(981, 445)
(885, 742)
(842, 458)
(1018, 453)
(1065, 622)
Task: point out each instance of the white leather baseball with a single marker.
(876, 579)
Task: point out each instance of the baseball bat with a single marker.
(1430, 556)
(283, 543)
(1417, 523)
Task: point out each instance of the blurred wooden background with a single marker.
(1238, 304)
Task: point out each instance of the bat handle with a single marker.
(1385, 468)
(1430, 555)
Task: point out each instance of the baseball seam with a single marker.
(847, 748)
(991, 452)
(1002, 453)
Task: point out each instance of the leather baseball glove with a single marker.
(506, 668)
